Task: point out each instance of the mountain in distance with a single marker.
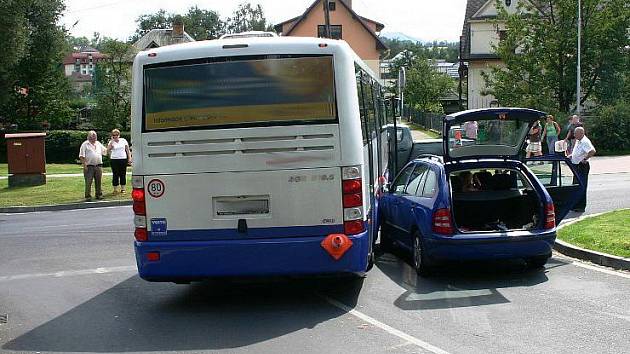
(401, 37)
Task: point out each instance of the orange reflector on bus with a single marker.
(153, 256)
(336, 245)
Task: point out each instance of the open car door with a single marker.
(560, 179)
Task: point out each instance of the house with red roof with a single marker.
(361, 33)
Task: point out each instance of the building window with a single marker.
(335, 31)
(332, 6)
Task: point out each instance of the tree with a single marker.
(33, 88)
(248, 18)
(203, 24)
(200, 24)
(425, 86)
(112, 87)
(539, 53)
(158, 20)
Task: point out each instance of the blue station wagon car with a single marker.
(479, 200)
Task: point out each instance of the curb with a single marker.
(595, 257)
(72, 206)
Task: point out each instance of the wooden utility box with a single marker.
(26, 155)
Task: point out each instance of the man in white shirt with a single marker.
(582, 151)
(91, 155)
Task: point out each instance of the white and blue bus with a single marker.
(255, 156)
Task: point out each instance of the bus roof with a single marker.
(247, 46)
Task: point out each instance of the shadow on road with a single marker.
(459, 284)
(139, 316)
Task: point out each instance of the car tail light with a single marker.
(352, 200)
(550, 216)
(139, 209)
(442, 223)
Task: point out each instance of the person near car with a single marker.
(91, 155)
(535, 146)
(574, 122)
(582, 152)
(550, 133)
(470, 128)
(120, 157)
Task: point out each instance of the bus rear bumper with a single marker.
(194, 260)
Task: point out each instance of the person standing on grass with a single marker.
(552, 129)
(91, 155)
(120, 157)
(582, 151)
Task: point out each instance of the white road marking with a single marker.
(391, 330)
(68, 273)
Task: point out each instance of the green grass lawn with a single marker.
(608, 233)
(430, 133)
(55, 191)
(51, 168)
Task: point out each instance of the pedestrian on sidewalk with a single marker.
(574, 122)
(550, 133)
(582, 152)
(120, 157)
(91, 155)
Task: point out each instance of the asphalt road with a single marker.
(68, 284)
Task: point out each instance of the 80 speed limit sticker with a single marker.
(155, 188)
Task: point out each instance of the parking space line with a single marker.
(67, 273)
(391, 330)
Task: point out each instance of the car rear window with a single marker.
(245, 92)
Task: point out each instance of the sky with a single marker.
(423, 19)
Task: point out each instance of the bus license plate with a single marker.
(227, 207)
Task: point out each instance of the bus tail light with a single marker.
(353, 227)
(550, 216)
(442, 223)
(139, 206)
(139, 209)
(141, 234)
(352, 200)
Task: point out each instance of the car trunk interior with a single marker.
(494, 200)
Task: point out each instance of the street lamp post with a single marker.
(579, 35)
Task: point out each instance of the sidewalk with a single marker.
(610, 164)
(65, 175)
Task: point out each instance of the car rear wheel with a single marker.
(420, 260)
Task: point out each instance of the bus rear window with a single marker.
(240, 93)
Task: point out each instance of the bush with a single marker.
(609, 131)
(62, 146)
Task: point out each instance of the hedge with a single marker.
(610, 129)
(62, 146)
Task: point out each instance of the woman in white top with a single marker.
(120, 157)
